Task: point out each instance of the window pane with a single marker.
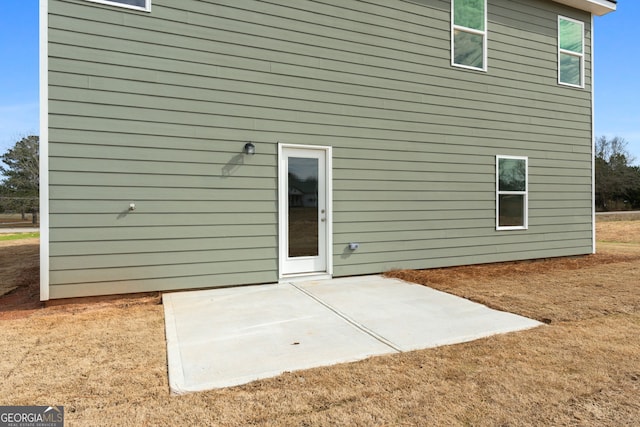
(468, 49)
(469, 13)
(511, 210)
(512, 175)
(570, 69)
(570, 36)
(141, 3)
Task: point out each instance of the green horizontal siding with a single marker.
(154, 109)
(172, 242)
(450, 258)
(166, 257)
(79, 235)
(69, 290)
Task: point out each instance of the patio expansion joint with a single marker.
(349, 320)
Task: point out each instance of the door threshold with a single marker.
(304, 277)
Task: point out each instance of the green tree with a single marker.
(617, 182)
(21, 171)
(633, 195)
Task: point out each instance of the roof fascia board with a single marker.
(596, 7)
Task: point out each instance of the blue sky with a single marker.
(617, 86)
(617, 71)
(19, 91)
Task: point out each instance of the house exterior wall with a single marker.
(154, 109)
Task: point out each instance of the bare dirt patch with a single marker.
(105, 361)
(15, 220)
(618, 216)
(19, 264)
(20, 286)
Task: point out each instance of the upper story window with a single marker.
(130, 4)
(469, 34)
(512, 193)
(570, 52)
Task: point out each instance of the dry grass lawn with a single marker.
(105, 361)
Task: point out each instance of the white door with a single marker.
(305, 203)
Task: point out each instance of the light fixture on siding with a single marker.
(249, 148)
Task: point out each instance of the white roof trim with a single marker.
(596, 7)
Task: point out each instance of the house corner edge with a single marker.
(44, 149)
(593, 141)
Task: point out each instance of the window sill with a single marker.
(512, 228)
(569, 85)
(467, 67)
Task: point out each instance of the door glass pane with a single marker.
(303, 206)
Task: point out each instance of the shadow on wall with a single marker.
(347, 251)
(232, 165)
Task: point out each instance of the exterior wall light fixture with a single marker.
(249, 148)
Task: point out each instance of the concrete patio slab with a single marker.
(409, 316)
(224, 337)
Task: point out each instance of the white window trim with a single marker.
(572, 53)
(147, 8)
(524, 193)
(485, 40)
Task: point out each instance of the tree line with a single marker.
(617, 180)
(20, 187)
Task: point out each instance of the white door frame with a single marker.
(284, 271)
